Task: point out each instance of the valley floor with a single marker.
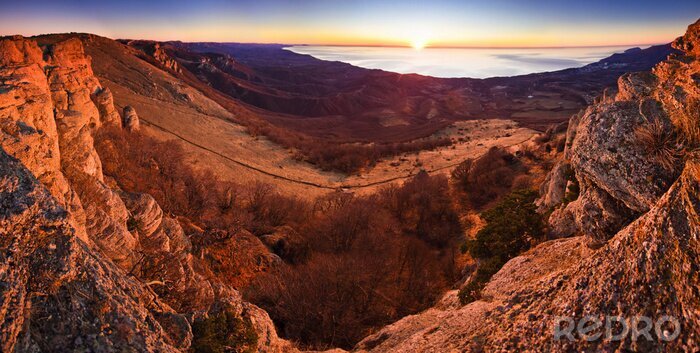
(232, 154)
(213, 142)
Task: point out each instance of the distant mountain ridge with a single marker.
(321, 88)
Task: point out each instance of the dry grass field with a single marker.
(170, 109)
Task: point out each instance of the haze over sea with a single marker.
(461, 62)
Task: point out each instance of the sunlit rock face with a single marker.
(619, 176)
(638, 225)
(47, 272)
(27, 121)
(73, 270)
(72, 84)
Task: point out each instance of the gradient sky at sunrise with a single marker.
(499, 23)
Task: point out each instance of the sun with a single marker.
(419, 43)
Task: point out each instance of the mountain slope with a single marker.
(301, 89)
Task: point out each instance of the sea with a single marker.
(461, 62)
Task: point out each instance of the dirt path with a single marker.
(300, 181)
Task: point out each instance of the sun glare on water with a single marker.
(419, 43)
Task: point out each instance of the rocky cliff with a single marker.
(88, 267)
(636, 224)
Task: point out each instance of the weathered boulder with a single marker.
(145, 213)
(130, 121)
(595, 213)
(635, 86)
(105, 105)
(607, 152)
(165, 257)
(562, 223)
(622, 174)
(179, 242)
(617, 177)
(553, 189)
(106, 220)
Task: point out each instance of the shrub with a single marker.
(485, 270)
(529, 152)
(269, 209)
(488, 177)
(523, 181)
(424, 208)
(224, 332)
(512, 226)
(660, 143)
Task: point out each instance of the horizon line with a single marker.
(453, 46)
(632, 45)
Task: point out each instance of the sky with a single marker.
(459, 23)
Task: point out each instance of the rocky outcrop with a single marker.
(156, 53)
(644, 270)
(554, 187)
(164, 59)
(595, 213)
(27, 122)
(166, 256)
(619, 173)
(642, 217)
(72, 84)
(130, 121)
(77, 252)
(607, 153)
(105, 105)
(51, 280)
(690, 42)
(618, 178)
(448, 326)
